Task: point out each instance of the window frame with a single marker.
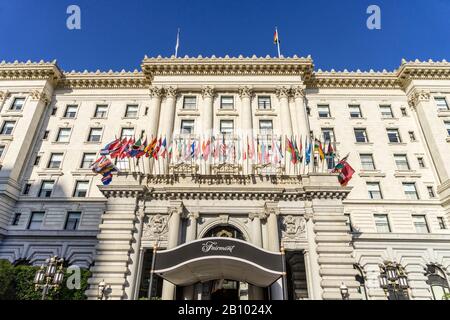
(383, 114)
(91, 129)
(58, 134)
(33, 215)
(366, 137)
(408, 193)
(425, 223)
(361, 157)
(264, 131)
(65, 116)
(260, 101)
(127, 111)
(96, 111)
(61, 154)
(222, 97)
(327, 106)
(76, 189)
(83, 159)
(13, 108)
(3, 128)
(439, 109)
(77, 223)
(360, 115)
(405, 160)
(185, 98)
(41, 189)
(386, 223)
(183, 126)
(222, 121)
(398, 136)
(373, 183)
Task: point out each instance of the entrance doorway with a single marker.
(224, 290)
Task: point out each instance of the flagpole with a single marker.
(178, 43)
(278, 42)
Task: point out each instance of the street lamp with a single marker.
(393, 279)
(49, 276)
(344, 292)
(101, 290)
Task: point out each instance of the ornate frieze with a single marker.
(30, 70)
(155, 227)
(292, 227)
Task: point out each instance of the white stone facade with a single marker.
(303, 210)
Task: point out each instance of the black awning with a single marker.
(219, 258)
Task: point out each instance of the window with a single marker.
(63, 135)
(46, 133)
(361, 135)
(127, 133)
(36, 220)
(393, 136)
(71, 111)
(264, 103)
(441, 223)
(7, 127)
(355, 111)
(227, 102)
(382, 223)
(441, 103)
(420, 223)
(386, 112)
(2, 149)
(46, 189)
(55, 161)
(26, 188)
(226, 126)
(81, 188)
(374, 190)
(431, 193)
(328, 135)
(421, 162)
(348, 222)
(403, 110)
(87, 160)
(187, 126)
(360, 278)
(37, 160)
(324, 111)
(410, 190)
(412, 136)
(95, 135)
(447, 127)
(190, 102)
(73, 220)
(17, 104)
(100, 111)
(131, 111)
(401, 161)
(367, 162)
(437, 281)
(54, 110)
(265, 126)
(16, 219)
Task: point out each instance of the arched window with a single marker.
(437, 281)
(362, 281)
(225, 231)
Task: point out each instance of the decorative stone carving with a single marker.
(40, 96)
(156, 92)
(208, 92)
(298, 92)
(226, 168)
(4, 95)
(271, 208)
(171, 92)
(245, 92)
(155, 226)
(292, 226)
(283, 92)
(184, 168)
(418, 96)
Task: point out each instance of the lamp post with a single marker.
(393, 279)
(49, 276)
(101, 290)
(344, 292)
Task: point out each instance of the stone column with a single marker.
(276, 289)
(245, 94)
(167, 118)
(284, 112)
(191, 232)
(256, 293)
(174, 212)
(207, 115)
(301, 114)
(156, 94)
(311, 259)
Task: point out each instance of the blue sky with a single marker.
(117, 34)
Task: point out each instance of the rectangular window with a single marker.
(403, 110)
(87, 160)
(412, 136)
(401, 161)
(71, 111)
(264, 103)
(226, 126)
(328, 135)
(36, 220)
(2, 149)
(131, 111)
(447, 127)
(81, 188)
(265, 126)
(393, 136)
(54, 110)
(16, 219)
(123, 164)
(7, 127)
(26, 189)
(227, 102)
(55, 161)
(73, 220)
(367, 162)
(187, 127)
(17, 104)
(95, 135)
(355, 111)
(190, 102)
(46, 133)
(324, 111)
(441, 223)
(37, 160)
(410, 190)
(441, 103)
(127, 133)
(46, 189)
(361, 135)
(374, 190)
(386, 112)
(421, 162)
(63, 135)
(101, 110)
(348, 223)
(420, 223)
(382, 223)
(431, 193)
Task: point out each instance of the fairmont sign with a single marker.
(212, 246)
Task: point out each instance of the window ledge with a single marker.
(327, 118)
(67, 118)
(58, 142)
(188, 113)
(97, 118)
(407, 173)
(8, 137)
(92, 142)
(364, 143)
(372, 173)
(397, 143)
(128, 118)
(233, 113)
(444, 113)
(361, 118)
(448, 139)
(391, 119)
(50, 172)
(83, 172)
(270, 112)
(10, 113)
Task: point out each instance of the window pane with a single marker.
(227, 102)
(36, 220)
(355, 111)
(73, 220)
(7, 127)
(46, 189)
(441, 103)
(127, 133)
(360, 135)
(71, 111)
(393, 136)
(324, 111)
(226, 126)
(382, 223)
(264, 102)
(265, 126)
(81, 188)
(55, 161)
(374, 190)
(95, 135)
(410, 191)
(420, 223)
(187, 126)
(100, 111)
(88, 159)
(131, 111)
(447, 127)
(328, 135)
(386, 112)
(367, 162)
(18, 104)
(401, 161)
(63, 135)
(189, 102)
(2, 149)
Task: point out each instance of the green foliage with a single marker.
(16, 283)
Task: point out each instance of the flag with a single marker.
(141, 151)
(177, 45)
(308, 151)
(164, 145)
(330, 151)
(276, 40)
(118, 148)
(110, 147)
(318, 148)
(345, 172)
(135, 148)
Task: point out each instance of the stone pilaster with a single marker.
(301, 115)
(285, 113)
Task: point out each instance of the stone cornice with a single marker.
(41, 70)
(351, 79)
(423, 70)
(110, 79)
